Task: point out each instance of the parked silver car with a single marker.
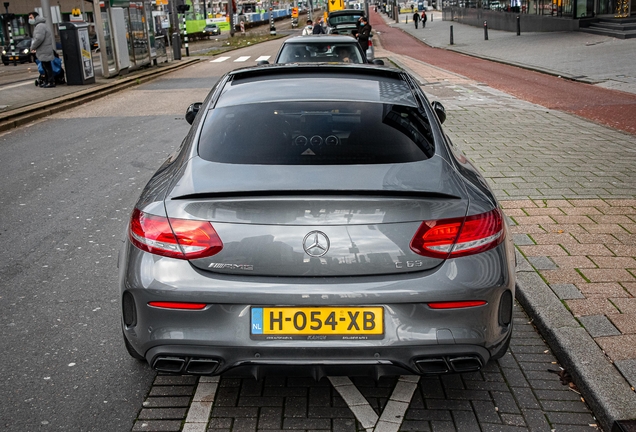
(322, 232)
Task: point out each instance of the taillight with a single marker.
(175, 238)
(451, 238)
(177, 305)
(370, 43)
(456, 304)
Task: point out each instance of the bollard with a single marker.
(406, 21)
(485, 30)
(451, 34)
(432, 16)
(518, 25)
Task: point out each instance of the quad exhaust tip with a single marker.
(443, 365)
(185, 365)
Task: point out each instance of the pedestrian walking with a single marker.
(416, 19)
(424, 18)
(318, 28)
(42, 46)
(364, 34)
(309, 28)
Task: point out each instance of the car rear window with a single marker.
(321, 52)
(316, 133)
(344, 19)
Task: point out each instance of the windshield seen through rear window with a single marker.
(316, 133)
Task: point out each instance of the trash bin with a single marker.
(76, 48)
(176, 46)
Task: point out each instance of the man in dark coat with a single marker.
(364, 34)
(416, 19)
(318, 28)
(42, 46)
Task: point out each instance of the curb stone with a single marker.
(602, 386)
(20, 116)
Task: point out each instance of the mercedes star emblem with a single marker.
(316, 244)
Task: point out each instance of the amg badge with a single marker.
(220, 266)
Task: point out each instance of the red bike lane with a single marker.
(609, 107)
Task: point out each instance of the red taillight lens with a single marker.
(175, 238)
(456, 304)
(177, 305)
(451, 238)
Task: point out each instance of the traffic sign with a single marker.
(294, 12)
(335, 5)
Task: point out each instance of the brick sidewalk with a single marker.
(584, 250)
(568, 187)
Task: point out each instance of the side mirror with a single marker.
(262, 62)
(378, 62)
(192, 111)
(440, 111)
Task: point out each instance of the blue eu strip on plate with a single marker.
(257, 320)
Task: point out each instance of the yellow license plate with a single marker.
(317, 323)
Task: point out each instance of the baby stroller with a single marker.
(58, 71)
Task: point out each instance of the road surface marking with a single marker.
(201, 406)
(242, 59)
(219, 60)
(261, 58)
(30, 82)
(393, 414)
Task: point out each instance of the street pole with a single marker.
(230, 10)
(185, 35)
(46, 11)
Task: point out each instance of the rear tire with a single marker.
(133, 353)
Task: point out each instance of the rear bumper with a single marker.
(219, 338)
(317, 362)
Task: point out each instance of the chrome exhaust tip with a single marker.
(465, 363)
(169, 364)
(201, 366)
(432, 366)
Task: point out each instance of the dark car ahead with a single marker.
(325, 232)
(344, 21)
(320, 49)
(211, 30)
(20, 54)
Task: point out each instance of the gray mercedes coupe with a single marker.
(317, 220)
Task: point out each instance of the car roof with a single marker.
(320, 38)
(337, 82)
(347, 12)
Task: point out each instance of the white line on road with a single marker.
(242, 59)
(30, 82)
(393, 413)
(261, 58)
(219, 60)
(201, 406)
